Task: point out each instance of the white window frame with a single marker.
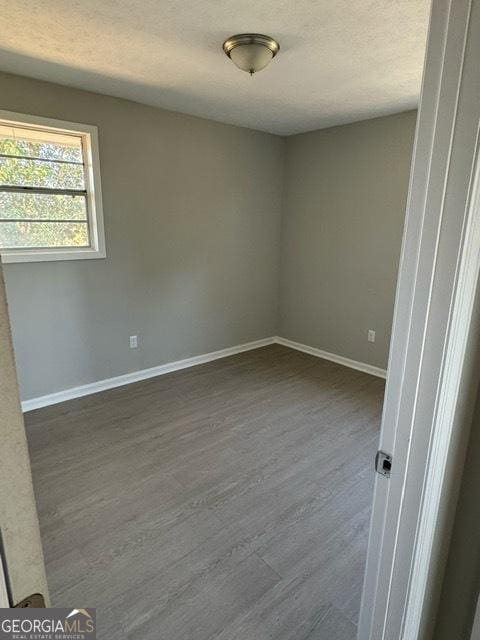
(89, 136)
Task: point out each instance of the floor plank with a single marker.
(229, 500)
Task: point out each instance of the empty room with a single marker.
(201, 219)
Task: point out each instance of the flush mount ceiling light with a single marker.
(251, 52)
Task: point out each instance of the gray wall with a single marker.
(197, 254)
(192, 219)
(344, 207)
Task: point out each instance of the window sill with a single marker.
(9, 256)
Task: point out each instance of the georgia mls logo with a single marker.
(47, 624)
(74, 612)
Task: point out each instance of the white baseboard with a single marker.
(136, 376)
(144, 374)
(346, 362)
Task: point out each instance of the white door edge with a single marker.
(476, 624)
(4, 603)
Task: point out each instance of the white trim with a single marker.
(89, 135)
(475, 635)
(432, 375)
(446, 409)
(143, 374)
(346, 362)
(169, 367)
(4, 602)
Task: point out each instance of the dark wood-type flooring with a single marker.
(229, 501)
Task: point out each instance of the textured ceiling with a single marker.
(340, 60)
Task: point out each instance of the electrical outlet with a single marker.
(133, 342)
(371, 335)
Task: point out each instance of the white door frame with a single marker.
(431, 376)
(4, 603)
(476, 624)
(4, 599)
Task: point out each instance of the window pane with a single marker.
(16, 141)
(42, 205)
(17, 235)
(34, 173)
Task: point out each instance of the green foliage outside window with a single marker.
(30, 219)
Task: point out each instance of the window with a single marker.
(50, 197)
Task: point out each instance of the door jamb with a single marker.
(431, 378)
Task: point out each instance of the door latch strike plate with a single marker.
(383, 463)
(35, 601)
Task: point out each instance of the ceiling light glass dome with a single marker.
(251, 52)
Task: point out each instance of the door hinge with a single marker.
(383, 463)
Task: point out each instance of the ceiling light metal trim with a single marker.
(248, 39)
